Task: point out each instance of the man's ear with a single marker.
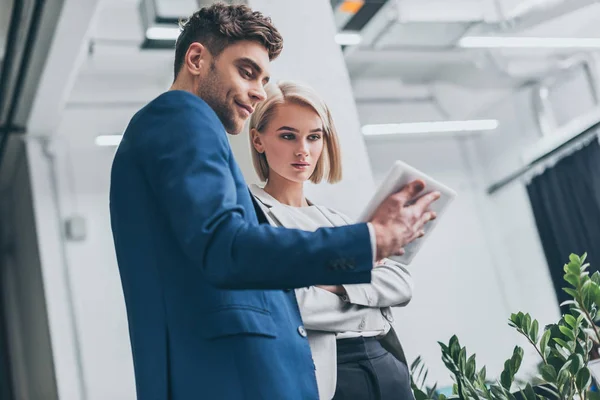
(196, 58)
(257, 140)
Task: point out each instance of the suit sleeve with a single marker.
(391, 285)
(186, 158)
(324, 311)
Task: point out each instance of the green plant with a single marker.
(418, 382)
(564, 349)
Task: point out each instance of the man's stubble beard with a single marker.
(209, 90)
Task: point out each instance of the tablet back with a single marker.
(401, 174)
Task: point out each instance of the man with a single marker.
(187, 237)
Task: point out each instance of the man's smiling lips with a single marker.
(247, 110)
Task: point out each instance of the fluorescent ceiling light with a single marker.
(108, 140)
(162, 33)
(430, 127)
(348, 38)
(498, 42)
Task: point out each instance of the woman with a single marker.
(356, 351)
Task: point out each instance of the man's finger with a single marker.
(424, 202)
(399, 252)
(425, 218)
(410, 191)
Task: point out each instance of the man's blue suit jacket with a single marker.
(203, 281)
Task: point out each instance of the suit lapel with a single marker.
(334, 219)
(282, 214)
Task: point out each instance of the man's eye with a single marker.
(246, 73)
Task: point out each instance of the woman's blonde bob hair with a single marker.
(285, 92)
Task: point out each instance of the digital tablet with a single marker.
(399, 176)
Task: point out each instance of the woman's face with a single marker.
(292, 142)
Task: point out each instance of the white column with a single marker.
(64, 59)
(311, 55)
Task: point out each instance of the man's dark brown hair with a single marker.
(220, 25)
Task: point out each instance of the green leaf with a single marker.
(550, 392)
(583, 380)
(583, 258)
(565, 368)
(454, 347)
(571, 292)
(497, 392)
(415, 364)
(596, 295)
(529, 393)
(560, 353)
(573, 269)
(544, 343)
(568, 302)
(563, 377)
(575, 259)
(419, 395)
(567, 332)
(516, 360)
(580, 349)
(526, 323)
(562, 343)
(533, 332)
(462, 358)
(506, 376)
(595, 278)
(593, 396)
(583, 277)
(470, 369)
(516, 318)
(569, 319)
(548, 373)
(572, 279)
(576, 363)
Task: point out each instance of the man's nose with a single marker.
(258, 93)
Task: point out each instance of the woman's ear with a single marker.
(257, 141)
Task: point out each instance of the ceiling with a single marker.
(410, 45)
(415, 41)
(418, 41)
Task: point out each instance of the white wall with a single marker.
(457, 286)
(82, 170)
(485, 260)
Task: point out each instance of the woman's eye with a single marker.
(287, 136)
(315, 137)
